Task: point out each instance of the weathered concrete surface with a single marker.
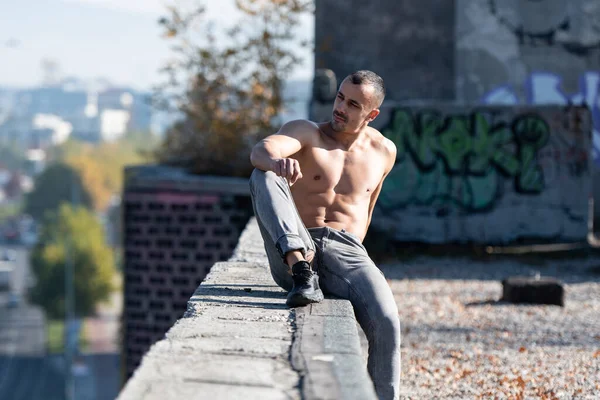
(502, 52)
(235, 341)
(175, 226)
(527, 52)
(328, 352)
(531, 52)
(410, 44)
(487, 174)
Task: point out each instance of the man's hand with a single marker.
(289, 168)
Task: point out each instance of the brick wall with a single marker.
(176, 226)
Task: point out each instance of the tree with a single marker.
(74, 233)
(235, 90)
(58, 184)
(101, 165)
(93, 177)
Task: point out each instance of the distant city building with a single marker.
(59, 128)
(13, 184)
(44, 116)
(114, 124)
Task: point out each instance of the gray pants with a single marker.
(345, 270)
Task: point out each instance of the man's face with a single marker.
(354, 107)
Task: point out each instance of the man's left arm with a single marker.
(390, 161)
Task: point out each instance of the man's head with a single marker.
(358, 100)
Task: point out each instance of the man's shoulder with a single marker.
(300, 125)
(307, 132)
(382, 143)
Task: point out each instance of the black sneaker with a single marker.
(306, 286)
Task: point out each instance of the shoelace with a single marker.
(304, 275)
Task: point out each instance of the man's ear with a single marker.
(373, 114)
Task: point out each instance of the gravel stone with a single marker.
(459, 341)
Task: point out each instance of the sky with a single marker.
(119, 40)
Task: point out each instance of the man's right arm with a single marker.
(273, 153)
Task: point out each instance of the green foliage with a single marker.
(55, 332)
(141, 143)
(9, 210)
(59, 183)
(77, 234)
(101, 165)
(235, 89)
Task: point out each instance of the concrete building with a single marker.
(469, 54)
(468, 51)
(72, 109)
(465, 53)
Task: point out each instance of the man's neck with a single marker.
(346, 140)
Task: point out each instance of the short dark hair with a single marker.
(370, 78)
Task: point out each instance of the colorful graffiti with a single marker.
(545, 88)
(462, 160)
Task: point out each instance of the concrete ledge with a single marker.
(238, 339)
(161, 177)
(326, 351)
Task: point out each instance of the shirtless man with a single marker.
(313, 190)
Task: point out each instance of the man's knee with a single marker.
(255, 177)
(258, 175)
(262, 178)
(388, 325)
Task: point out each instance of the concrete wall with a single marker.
(503, 52)
(409, 43)
(486, 174)
(238, 340)
(529, 52)
(176, 226)
(511, 52)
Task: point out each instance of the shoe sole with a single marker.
(299, 300)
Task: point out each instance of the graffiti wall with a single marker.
(546, 88)
(521, 164)
(530, 52)
(487, 174)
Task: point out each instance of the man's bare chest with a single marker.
(345, 173)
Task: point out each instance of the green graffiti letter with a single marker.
(455, 143)
(421, 143)
(532, 133)
(488, 148)
(402, 126)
